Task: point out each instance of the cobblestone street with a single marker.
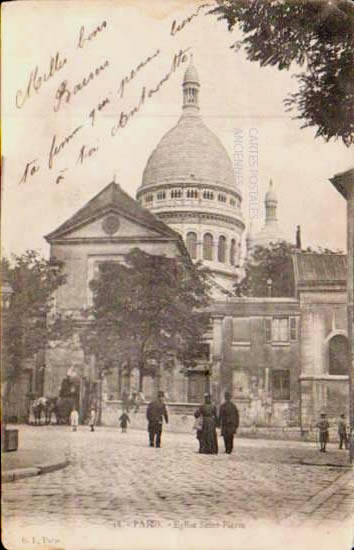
(115, 480)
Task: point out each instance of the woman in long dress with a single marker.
(208, 442)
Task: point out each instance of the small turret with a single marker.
(271, 202)
(271, 232)
(191, 87)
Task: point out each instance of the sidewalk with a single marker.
(32, 458)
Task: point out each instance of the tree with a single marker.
(29, 322)
(147, 311)
(315, 34)
(271, 267)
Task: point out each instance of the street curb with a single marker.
(316, 501)
(21, 473)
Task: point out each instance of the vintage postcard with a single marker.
(176, 330)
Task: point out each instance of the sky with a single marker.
(51, 54)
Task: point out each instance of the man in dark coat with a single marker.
(155, 414)
(229, 422)
(342, 432)
(323, 427)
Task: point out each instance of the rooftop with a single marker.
(312, 268)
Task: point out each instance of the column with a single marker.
(217, 355)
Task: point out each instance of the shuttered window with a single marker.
(268, 329)
(293, 331)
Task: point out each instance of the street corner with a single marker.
(22, 473)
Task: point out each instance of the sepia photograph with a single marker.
(177, 274)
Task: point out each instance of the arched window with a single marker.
(191, 243)
(208, 246)
(233, 252)
(338, 355)
(208, 195)
(222, 249)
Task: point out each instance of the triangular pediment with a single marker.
(112, 213)
(111, 224)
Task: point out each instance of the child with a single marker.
(124, 419)
(74, 419)
(323, 426)
(92, 419)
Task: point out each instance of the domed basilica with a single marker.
(189, 184)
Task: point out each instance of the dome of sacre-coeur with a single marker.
(189, 152)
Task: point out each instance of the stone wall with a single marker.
(248, 360)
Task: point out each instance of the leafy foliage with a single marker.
(147, 311)
(272, 263)
(26, 325)
(315, 34)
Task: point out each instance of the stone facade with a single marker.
(321, 290)
(260, 358)
(344, 183)
(105, 229)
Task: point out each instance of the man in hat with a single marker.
(323, 427)
(229, 422)
(155, 414)
(342, 432)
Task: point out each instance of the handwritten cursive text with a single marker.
(56, 149)
(124, 118)
(63, 93)
(86, 38)
(85, 153)
(177, 27)
(134, 72)
(36, 80)
(31, 169)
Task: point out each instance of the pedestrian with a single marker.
(74, 419)
(155, 413)
(229, 422)
(208, 442)
(343, 432)
(92, 419)
(198, 426)
(124, 419)
(323, 427)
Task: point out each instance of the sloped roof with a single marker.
(112, 197)
(311, 268)
(342, 182)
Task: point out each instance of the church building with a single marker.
(283, 359)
